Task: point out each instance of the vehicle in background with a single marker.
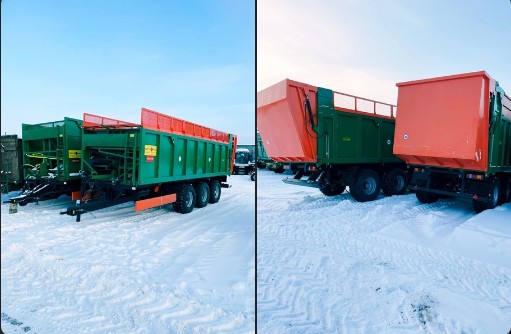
(51, 160)
(244, 162)
(11, 161)
(262, 157)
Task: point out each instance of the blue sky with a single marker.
(189, 59)
(364, 47)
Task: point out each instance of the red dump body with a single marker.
(281, 107)
(444, 121)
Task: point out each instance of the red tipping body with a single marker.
(444, 121)
(281, 107)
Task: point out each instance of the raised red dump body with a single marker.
(281, 107)
(444, 121)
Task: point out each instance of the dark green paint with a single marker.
(51, 143)
(177, 157)
(499, 145)
(347, 138)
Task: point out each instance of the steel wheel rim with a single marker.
(398, 183)
(369, 186)
(189, 199)
(495, 197)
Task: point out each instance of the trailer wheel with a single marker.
(495, 197)
(330, 190)
(214, 191)
(426, 198)
(508, 192)
(367, 186)
(495, 193)
(394, 183)
(202, 194)
(185, 200)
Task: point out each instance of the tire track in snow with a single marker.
(290, 295)
(120, 287)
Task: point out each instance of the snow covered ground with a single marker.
(332, 265)
(118, 271)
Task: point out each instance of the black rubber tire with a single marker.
(201, 194)
(426, 198)
(495, 197)
(185, 198)
(328, 190)
(495, 194)
(22, 203)
(505, 193)
(508, 194)
(253, 176)
(478, 206)
(394, 183)
(279, 170)
(367, 186)
(215, 191)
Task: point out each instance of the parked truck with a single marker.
(51, 160)
(244, 162)
(160, 161)
(455, 134)
(348, 138)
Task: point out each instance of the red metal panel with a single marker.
(444, 121)
(233, 157)
(161, 122)
(76, 195)
(153, 202)
(281, 122)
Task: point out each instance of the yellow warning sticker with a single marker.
(150, 150)
(75, 154)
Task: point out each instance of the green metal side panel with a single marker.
(181, 157)
(143, 157)
(500, 134)
(261, 152)
(346, 137)
(55, 147)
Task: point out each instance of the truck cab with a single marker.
(244, 162)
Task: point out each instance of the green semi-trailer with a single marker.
(160, 161)
(455, 134)
(348, 138)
